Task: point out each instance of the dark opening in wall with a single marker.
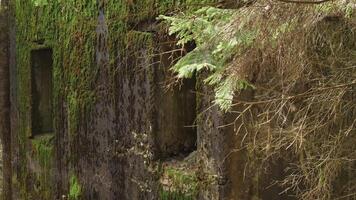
(42, 88)
(177, 133)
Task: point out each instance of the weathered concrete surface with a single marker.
(1, 171)
(5, 105)
(223, 159)
(214, 140)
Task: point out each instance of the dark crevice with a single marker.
(42, 88)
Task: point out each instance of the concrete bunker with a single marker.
(41, 92)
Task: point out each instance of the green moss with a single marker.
(43, 152)
(43, 148)
(173, 195)
(68, 27)
(179, 184)
(75, 189)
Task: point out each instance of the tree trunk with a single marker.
(5, 127)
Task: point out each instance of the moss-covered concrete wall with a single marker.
(115, 125)
(104, 92)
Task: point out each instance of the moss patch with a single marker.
(179, 180)
(178, 184)
(75, 189)
(42, 151)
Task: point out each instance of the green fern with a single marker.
(196, 60)
(224, 92)
(216, 44)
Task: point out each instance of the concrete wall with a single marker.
(112, 139)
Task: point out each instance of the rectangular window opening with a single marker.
(176, 135)
(177, 132)
(42, 91)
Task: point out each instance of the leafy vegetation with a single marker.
(215, 43)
